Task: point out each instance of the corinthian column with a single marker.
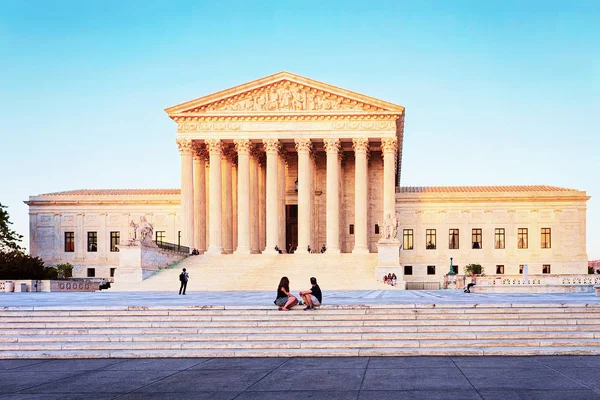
(254, 208)
(272, 150)
(243, 200)
(227, 206)
(361, 147)
(332, 147)
(187, 191)
(389, 147)
(305, 174)
(200, 155)
(214, 149)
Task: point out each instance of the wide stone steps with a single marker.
(263, 272)
(163, 331)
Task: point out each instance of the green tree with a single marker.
(474, 269)
(9, 239)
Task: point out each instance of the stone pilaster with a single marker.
(215, 244)
(361, 148)
(200, 156)
(389, 148)
(272, 147)
(332, 147)
(243, 147)
(187, 191)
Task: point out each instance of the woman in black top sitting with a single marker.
(285, 300)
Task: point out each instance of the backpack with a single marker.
(182, 277)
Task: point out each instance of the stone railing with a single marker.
(76, 285)
(549, 279)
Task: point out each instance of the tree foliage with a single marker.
(9, 239)
(18, 265)
(64, 270)
(474, 269)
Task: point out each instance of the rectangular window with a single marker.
(476, 238)
(546, 269)
(431, 270)
(521, 268)
(408, 239)
(430, 239)
(160, 236)
(352, 229)
(500, 269)
(92, 242)
(377, 229)
(115, 239)
(91, 272)
(522, 238)
(408, 270)
(454, 268)
(499, 238)
(69, 242)
(545, 238)
(453, 239)
(112, 272)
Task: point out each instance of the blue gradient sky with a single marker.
(496, 92)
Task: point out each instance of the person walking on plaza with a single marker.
(183, 278)
(285, 300)
(313, 296)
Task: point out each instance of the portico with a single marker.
(296, 146)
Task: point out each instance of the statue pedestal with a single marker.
(138, 261)
(388, 261)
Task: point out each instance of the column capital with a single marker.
(243, 146)
(303, 145)
(186, 146)
(214, 146)
(332, 146)
(360, 145)
(200, 152)
(271, 145)
(389, 144)
(229, 154)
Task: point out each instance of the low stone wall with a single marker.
(138, 262)
(83, 285)
(532, 280)
(533, 289)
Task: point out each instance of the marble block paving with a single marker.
(332, 378)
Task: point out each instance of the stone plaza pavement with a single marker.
(263, 298)
(422, 378)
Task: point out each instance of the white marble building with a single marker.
(291, 162)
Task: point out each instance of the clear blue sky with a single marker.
(496, 92)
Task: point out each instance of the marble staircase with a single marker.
(263, 272)
(224, 331)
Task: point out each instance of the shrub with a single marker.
(64, 271)
(474, 269)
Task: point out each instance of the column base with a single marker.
(333, 251)
(242, 250)
(214, 250)
(361, 250)
(270, 251)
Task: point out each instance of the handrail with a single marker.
(172, 247)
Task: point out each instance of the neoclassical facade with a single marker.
(287, 162)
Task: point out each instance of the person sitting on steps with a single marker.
(313, 296)
(285, 300)
(470, 285)
(309, 250)
(323, 249)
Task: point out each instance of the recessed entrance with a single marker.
(291, 227)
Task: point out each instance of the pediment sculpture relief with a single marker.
(286, 96)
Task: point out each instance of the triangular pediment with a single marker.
(283, 92)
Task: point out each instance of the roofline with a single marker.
(179, 108)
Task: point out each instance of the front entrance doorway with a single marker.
(291, 227)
